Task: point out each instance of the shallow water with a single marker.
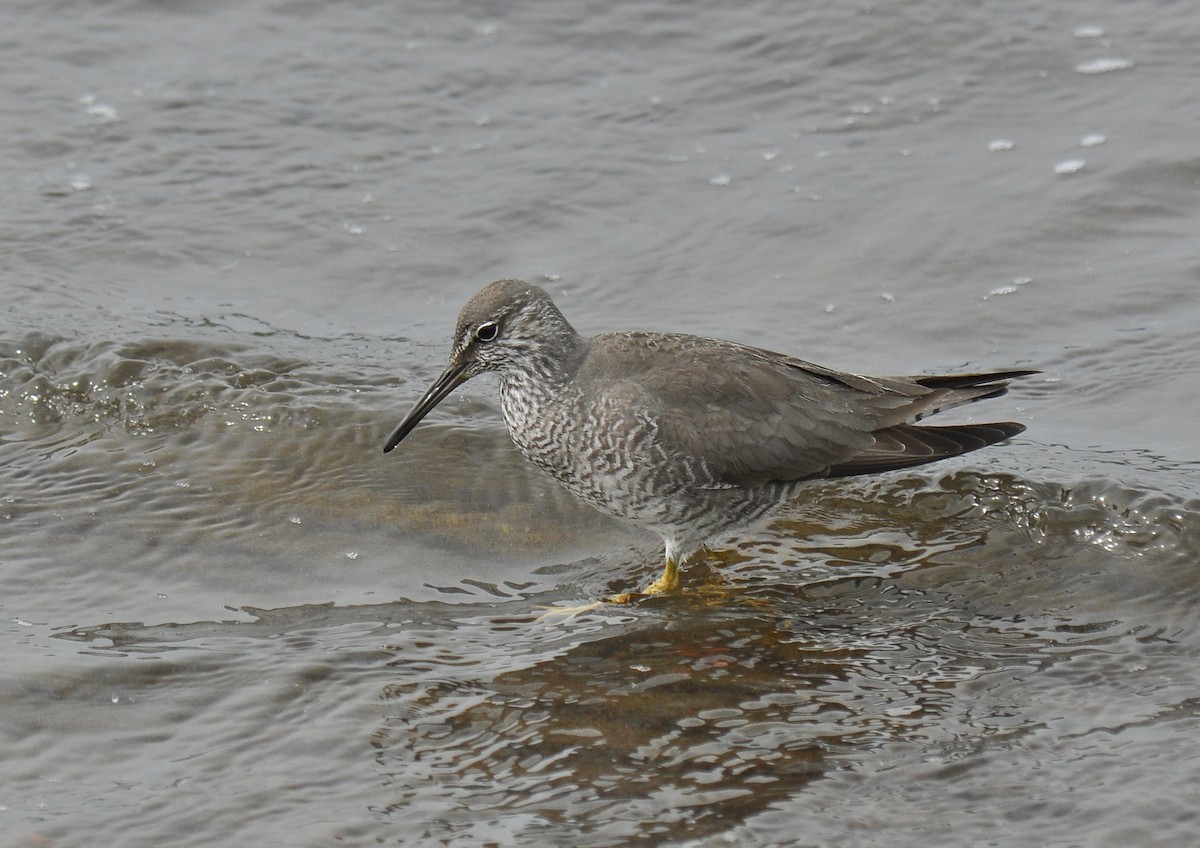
(235, 240)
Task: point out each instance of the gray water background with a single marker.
(235, 237)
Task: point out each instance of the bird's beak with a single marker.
(454, 376)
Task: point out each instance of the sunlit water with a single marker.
(235, 241)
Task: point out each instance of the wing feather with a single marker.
(749, 417)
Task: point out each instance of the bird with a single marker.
(693, 438)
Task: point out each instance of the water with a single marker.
(235, 238)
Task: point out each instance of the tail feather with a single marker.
(905, 446)
(951, 390)
(964, 381)
(971, 381)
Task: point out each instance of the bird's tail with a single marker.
(951, 390)
(904, 445)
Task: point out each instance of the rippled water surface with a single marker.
(235, 239)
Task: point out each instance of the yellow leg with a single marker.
(669, 582)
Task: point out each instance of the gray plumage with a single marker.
(687, 436)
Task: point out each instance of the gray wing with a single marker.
(747, 417)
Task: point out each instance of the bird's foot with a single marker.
(668, 582)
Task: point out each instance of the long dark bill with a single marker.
(450, 379)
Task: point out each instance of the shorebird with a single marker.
(692, 437)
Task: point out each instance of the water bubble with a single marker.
(1092, 140)
(1069, 166)
(1089, 31)
(1103, 66)
(102, 112)
(1012, 287)
(1000, 144)
(721, 180)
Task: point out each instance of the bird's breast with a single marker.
(603, 454)
(537, 421)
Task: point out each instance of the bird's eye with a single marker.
(487, 331)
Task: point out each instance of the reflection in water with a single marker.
(698, 712)
(670, 726)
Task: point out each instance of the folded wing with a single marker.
(752, 417)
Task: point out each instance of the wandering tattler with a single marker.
(688, 436)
